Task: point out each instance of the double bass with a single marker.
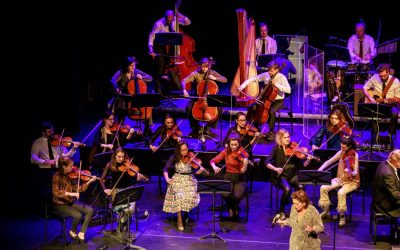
(200, 110)
(182, 63)
(137, 86)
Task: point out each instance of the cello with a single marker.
(138, 86)
(259, 111)
(200, 110)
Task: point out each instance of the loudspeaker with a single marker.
(358, 96)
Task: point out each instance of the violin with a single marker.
(131, 169)
(85, 175)
(250, 130)
(123, 129)
(239, 154)
(195, 162)
(349, 159)
(55, 141)
(174, 132)
(343, 127)
(293, 149)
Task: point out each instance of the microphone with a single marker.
(275, 219)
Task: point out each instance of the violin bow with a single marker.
(255, 138)
(340, 161)
(167, 137)
(340, 129)
(287, 161)
(117, 132)
(79, 177)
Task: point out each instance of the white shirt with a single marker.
(279, 81)
(376, 83)
(162, 26)
(40, 152)
(270, 46)
(353, 46)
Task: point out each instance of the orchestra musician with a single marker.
(265, 44)
(333, 130)
(120, 178)
(246, 131)
(65, 195)
(169, 132)
(45, 154)
(236, 159)
(106, 138)
(128, 72)
(347, 178)
(386, 90)
(204, 71)
(361, 46)
(182, 195)
(160, 53)
(277, 79)
(284, 169)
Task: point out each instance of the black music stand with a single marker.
(100, 160)
(315, 178)
(122, 200)
(168, 38)
(221, 101)
(213, 187)
(375, 112)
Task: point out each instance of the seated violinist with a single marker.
(204, 74)
(280, 86)
(121, 177)
(66, 189)
(182, 195)
(112, 135)
(247, 133)
(236, 159)
(386, 90)
(333, 130)
(347, 178)
(170, 134)
(284, 165)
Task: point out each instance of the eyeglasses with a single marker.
(241, 120)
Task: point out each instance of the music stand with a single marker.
(168, 38)
(315, 178)
(122, 199)
(101, 159)
(213, 187)
(374, 111)
(221, 101)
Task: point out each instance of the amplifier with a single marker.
(358, 97)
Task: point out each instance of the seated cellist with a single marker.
(195, 78)
(277, 79)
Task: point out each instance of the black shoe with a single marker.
(282, 216)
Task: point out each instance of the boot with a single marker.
(325, 213)
(342, 220)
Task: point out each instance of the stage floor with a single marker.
(159, 230)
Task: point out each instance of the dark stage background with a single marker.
(74, 50)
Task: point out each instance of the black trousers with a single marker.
(275, 107)
(238, 189)
(286, 184)
(392, 124)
